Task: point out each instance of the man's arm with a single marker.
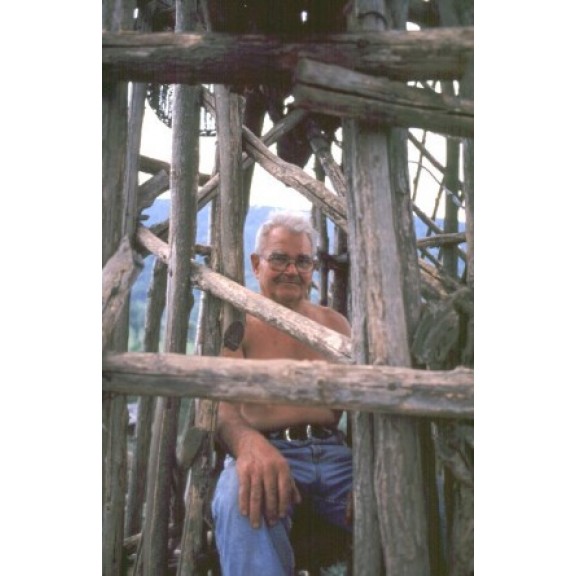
(263, 473)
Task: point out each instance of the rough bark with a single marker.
(388, 389)
(156, 302)
(338, 91)
(118, 276)
(183, 184)
(115, 481)
(216, 58)
(117, 221)
(389, 523)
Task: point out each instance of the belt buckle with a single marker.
(290, 439)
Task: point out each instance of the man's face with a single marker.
(291, 285)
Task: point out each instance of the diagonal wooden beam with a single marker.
(334, 345)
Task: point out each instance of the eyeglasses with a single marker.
(279, 262)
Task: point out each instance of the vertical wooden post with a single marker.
(390, 523)
(233, 203)
(450, 253)
(137, 478)
(460, 491)
(137, 473)
(200, 472)
(116, 15)
(184, 185)
(467, 89)
(319, 223)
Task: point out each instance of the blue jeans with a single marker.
(322, 470)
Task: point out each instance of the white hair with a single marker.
(292, 221)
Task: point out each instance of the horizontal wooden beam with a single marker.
(217, 58)
(335, 90)
(402, 391)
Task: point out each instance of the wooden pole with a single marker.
(386, 389)
(390, 523)
(137, 477)
(335, 90)
(116, 223)
(184, 183)
(251, 59)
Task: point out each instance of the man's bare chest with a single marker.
(271, 343)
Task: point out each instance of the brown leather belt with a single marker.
(303, 432)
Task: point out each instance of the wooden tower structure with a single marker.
(349, 86)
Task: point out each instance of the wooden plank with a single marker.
(338, 91)
(386, 389)
(217, 58)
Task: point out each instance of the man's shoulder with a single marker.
(329, 317)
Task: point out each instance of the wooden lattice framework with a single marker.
(405, 374)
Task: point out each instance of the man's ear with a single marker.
(255, 259)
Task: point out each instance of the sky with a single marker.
(266, 190)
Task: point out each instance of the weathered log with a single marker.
(152, 165)
(137, 478)
(334, 345)
(151, 189)
(118, 276)
(386, 389)
(183, 206)
(331, 89)
(333, 206)
(321, 148)
(389, 526)
(115, 484)
(117, 204)
(441, 240)
(217, 58)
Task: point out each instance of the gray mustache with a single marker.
(289, 279)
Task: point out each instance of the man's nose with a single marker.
(291, 264)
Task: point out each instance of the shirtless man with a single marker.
(277, 455)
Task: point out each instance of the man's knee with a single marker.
(225, 500)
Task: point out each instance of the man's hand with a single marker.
(266, 484)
